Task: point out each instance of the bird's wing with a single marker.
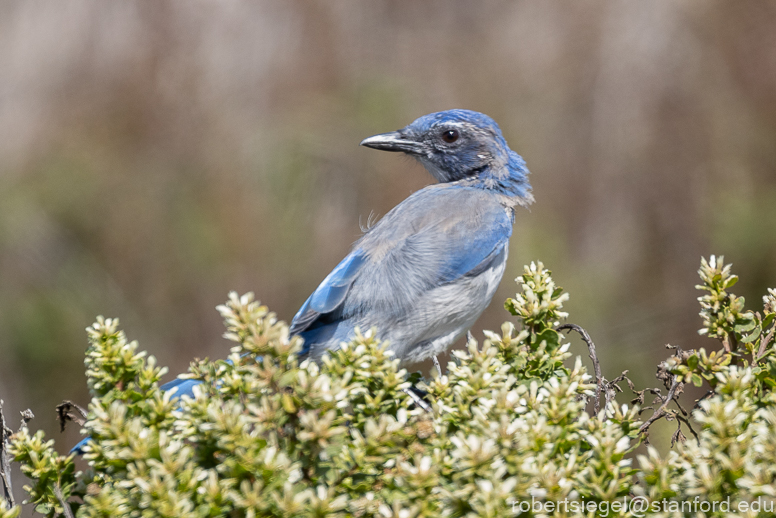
(331, 293)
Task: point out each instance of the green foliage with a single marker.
(50, 472)
(538, 306)
(746, 336)
(734, 457)
(9, 512)
(266, 435)
(722, 312)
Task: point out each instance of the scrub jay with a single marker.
(426, 271)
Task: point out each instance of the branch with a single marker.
(65, 506)
(764, 344)
(692, 430)
(599, 379)
(661, 411)
(5, 462)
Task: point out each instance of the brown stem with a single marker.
(65, 506)
(599, 379)
(764, 344)
(661, 411)
(5, 462)
(692, 430)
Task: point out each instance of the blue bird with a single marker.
(427, 270)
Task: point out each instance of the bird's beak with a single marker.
(393, 141)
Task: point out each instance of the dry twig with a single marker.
(600, 382)
(5, 462)
(661, 411)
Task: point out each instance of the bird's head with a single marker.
(458, 145)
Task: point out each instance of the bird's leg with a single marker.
(469, 336)
(415, 395)
(436, 364)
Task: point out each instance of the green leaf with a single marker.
(751, 337)
(288, 403)
(745, 328)
(768, 320)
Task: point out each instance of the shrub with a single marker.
(266, 435)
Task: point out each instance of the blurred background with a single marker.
(156, 155)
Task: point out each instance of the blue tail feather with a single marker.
(182, 387)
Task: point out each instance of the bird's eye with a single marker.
(450, 136)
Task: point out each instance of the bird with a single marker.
(424, 273)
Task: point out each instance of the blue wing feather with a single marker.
(477, 250)
(331, 293)
(492, 258)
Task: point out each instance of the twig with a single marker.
(692, 430)
(599, 379)
(726, 342)
(764, 344)
(661, 411)
(678, 436)
(27, 416)
(681, 408)
(5, 462)
(65, 506)
(640, 395)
